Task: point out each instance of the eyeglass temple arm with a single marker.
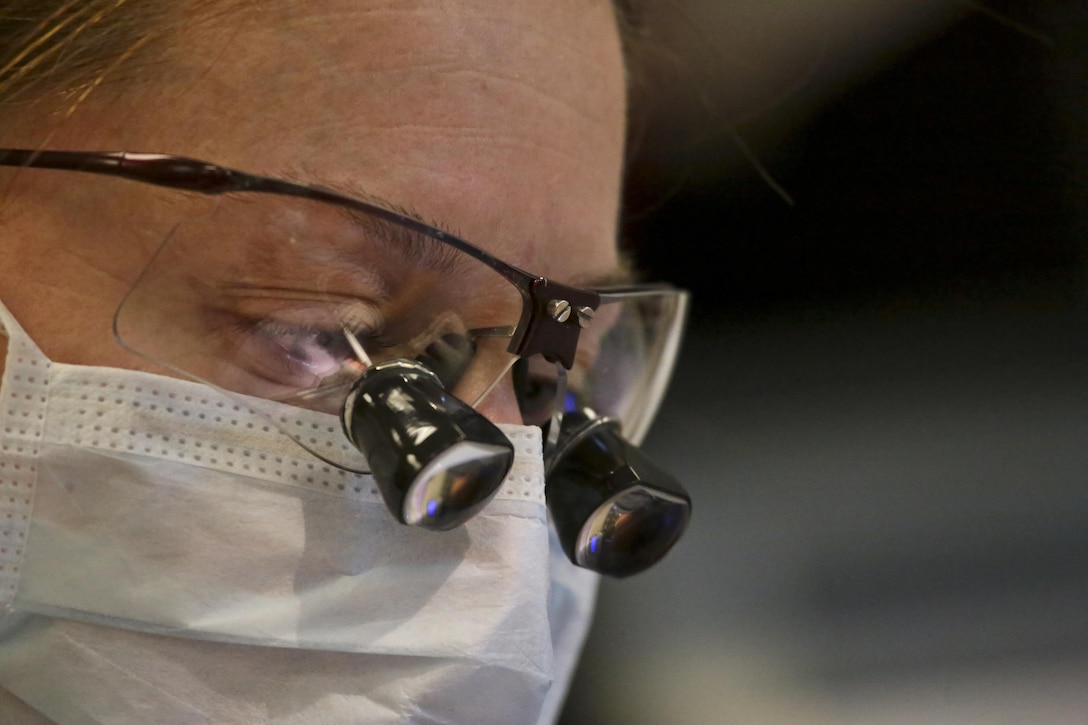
(176, 172)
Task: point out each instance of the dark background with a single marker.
(956, 166)
(882, 407)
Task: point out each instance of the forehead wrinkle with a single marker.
(551, 98)
(443, 27)
(472, 137)
(511, 86)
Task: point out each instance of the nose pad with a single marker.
(436, 461)
(616, 512)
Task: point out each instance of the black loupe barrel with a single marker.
(448, 357)
(616, 512)
(436, 461)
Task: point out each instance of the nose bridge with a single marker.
(500, 405)
(487, 384)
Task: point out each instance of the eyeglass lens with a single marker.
(293, 300)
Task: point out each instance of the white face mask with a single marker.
(169, 557)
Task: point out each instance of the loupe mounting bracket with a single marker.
(553, 319)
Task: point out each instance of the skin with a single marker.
(502, 123)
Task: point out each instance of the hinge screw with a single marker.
(559, 310)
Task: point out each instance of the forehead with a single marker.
(500, 122)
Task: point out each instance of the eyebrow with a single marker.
(431, 252)
(412, 244)
(426, 251)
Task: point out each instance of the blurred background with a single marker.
(881, 410)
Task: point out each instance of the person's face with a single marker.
(502, 123)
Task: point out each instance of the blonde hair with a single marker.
(66, 48)
(70, 47)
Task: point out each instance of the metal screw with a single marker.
(585, 316)
(559, 310)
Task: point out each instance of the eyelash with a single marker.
(299, 334)
(290, 355)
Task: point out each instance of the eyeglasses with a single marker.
(275, 290)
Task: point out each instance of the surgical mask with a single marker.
(168, 556)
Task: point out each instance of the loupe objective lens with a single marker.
(616, 511)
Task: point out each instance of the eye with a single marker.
(278, 344)
(281, 359)
(320, 352)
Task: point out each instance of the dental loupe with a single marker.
(616, 512)
(437, 462)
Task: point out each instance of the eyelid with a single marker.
(311, 311)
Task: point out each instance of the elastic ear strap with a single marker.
(6, 318)
(24, 381)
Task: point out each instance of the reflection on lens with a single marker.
(455, 483)
(616, 512)
(630, 532)
(449, 357)
(626, 356)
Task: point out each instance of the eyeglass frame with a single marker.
(550, 319)
(552, 314)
